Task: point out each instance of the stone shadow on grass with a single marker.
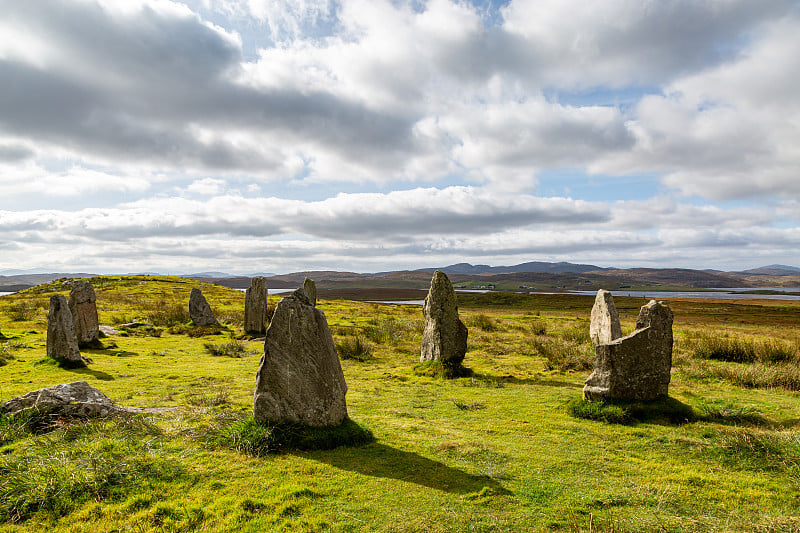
(380, 460)
(99, 374)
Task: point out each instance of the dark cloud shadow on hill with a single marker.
(380, 460)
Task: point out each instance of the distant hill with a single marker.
(531, 266)
(23, 281)
(772, 270)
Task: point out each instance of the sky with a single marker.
(254, 136)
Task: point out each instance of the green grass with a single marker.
(495, 451)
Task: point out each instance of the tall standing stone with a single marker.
(255, 306)
(84, 315)
(62, 342)
(444, 338)
(199, 310)
(604, 326)
(300, 379)
(635, 367)
(310, 288)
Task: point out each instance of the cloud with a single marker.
(728, 132)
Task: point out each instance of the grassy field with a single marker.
(501, 450)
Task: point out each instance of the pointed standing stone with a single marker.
(300, 379)
(62, 343)
(199, 310)
(84, 315)
(604, 326)
(310, 288)
(635, 367)
(445, 336)
(255, 306)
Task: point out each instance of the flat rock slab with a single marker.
(299, 379)
(74, 400)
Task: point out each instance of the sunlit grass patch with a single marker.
(87, 462)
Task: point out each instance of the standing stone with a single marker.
(255, 306)
(84, 315)
(604, 326)
(62, 343)
(199, 310)
(300, 379)
(444, 338)
(635, 367)
(310, 288)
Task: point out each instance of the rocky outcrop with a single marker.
(84, 315)
(310, 288)
(62, 342)
(300, 379)
(444, 337)
(255, 306)
(637, 366)
(76, 399)
(604, 326)
(199, 310)
(70, 400)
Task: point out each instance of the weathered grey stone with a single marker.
(68, 399)
(444, 337)
(199, 310)
(255, 306)
(72, 400)
(62, 342)
(300, 379)
(635, 367)
(604, 326)
(108, 330)
(310, 289)
(84, 315)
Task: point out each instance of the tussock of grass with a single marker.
(483, 323)
(564, 355)
(435, 369)
(100, 461)
(727, 413)
(22, 311)
(631, 412)
(751, 376)
(253, 438)
(167, 315)
(757, 449)
(233, 348)
(355, 348)
(742, 350)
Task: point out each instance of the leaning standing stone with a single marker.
(199, 310)
(62, 343)
(255, 306)
(310, 288)
(300, 379)
(84, 315)
(635, 367)
(604, 326)
(444, 338)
